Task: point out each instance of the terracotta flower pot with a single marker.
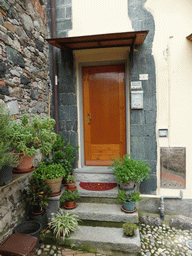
(25, 165)
(70, 186)
(70, 205)
(128, 186)
(55, 185)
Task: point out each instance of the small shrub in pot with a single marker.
(129, 228)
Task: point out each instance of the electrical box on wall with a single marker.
(137, 100)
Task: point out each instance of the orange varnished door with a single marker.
(104, 113)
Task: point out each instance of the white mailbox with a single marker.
(136, 99)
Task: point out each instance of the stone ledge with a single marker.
(16, 177)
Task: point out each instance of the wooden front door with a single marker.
(104, 108)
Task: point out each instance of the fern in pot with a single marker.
(129, 171)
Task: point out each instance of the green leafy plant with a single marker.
(50, 171)
(31, 134)
(37, 192)
(63, 223)
(6, 154)
(128, 197)
(129, 228)
(128, 169)
(69, 196)
(70, 178)
(63, 154)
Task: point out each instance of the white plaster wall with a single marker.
(173, 59)
(99, 17)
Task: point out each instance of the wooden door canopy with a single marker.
(100, 41)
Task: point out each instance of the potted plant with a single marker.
(68, 198)
(129, 228)
(63, 154)
(129, 199)
(52, 174)
(29, 135)
(129, 171)
(36, 196)
(63, 223)
(8, 159)
(70, 183)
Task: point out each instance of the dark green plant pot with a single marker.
(129, 206)
(32, 228)
(40, 217)
(130, 234)
(5, 175)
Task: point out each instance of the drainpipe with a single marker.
(162, 205)
(54, 61)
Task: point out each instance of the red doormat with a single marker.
(97, 186)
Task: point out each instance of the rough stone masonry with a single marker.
(24, 83)
(24, 65)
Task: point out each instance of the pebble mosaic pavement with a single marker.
(155, 240)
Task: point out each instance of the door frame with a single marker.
(127, 94)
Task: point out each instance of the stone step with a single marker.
(104, 212)
(94, 174)
(110, 241)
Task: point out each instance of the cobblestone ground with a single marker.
(164, 241)
(155, 240)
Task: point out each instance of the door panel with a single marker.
(104, 113)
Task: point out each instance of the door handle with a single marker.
(89, 114)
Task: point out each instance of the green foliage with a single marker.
(50, 171)
(6, 156)
(129, 228)
(31, 134)
(37, 193)
(70, 178)
(128, 197)
(69, 196)
(63, 223)
(128, 169)
(63, 154)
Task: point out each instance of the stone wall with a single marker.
(12, 209)
(24, 65)
(24, 82)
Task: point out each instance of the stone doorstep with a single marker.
(104, 212)
(94, 174)
(105, 240)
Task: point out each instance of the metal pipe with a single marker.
(54, 61)
(162, 205)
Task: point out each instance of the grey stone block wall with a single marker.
(143, 122)
(67, 98)
(63, 17)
